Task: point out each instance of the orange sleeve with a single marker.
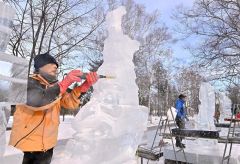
(71, 100)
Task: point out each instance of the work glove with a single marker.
(91, 78)
(73, 76)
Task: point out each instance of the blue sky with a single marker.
(166, 8)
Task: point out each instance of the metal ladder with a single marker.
(231, 134)
(166, 124)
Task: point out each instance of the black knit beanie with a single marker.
(43, 59)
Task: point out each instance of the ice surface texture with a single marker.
(4, 116)
(6, 17)
(14, 80)
(225, 107)
(205, 119)
(110, 127)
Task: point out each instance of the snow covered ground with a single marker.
(202, 151)
(14, 156)
(199, 150)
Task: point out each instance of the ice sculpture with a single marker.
(205, 118)
(110, 127)
(4, 116)
(225, 106)
(6, 17)
(13, 74)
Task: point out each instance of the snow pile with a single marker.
(205, 118)
(110, 127)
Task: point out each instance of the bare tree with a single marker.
(74, 30)
(188, 82)
(63, 27)
(161, 88)
(216, 24)
(234, 93)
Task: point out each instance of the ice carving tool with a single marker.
(99, 76)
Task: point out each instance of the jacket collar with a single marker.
(40, 79)
(181, 100)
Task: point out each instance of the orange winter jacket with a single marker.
(36, 128)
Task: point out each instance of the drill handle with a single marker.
(83, 77)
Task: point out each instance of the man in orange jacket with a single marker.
(35, 124)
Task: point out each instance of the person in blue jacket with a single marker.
(180, 118)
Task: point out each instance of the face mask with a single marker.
(50, 78)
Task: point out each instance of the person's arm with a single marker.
(71, 100)
(38, 96)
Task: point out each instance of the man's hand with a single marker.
(91, 78)
(73, 76)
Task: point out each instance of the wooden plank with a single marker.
(233, 120)
(196, 133)
(222, 125)
(148, 153)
